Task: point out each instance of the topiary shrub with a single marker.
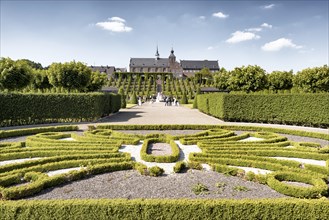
(156, 171)
(184, 99)
(133, 99)
(180, 166)
(194, 165)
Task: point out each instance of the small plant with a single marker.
(141, 168)
(156, 171)
(195, 165)
(200, 189)
(241, 188)
(180, 166)
(220, 185)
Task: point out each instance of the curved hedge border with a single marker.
(285, 209)
(30, 131)
(319, 188)
(160, 159)
(204, 127)
(23, 109)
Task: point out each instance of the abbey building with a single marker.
(184, 68)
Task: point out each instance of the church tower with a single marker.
(157, 55)
(172, 57)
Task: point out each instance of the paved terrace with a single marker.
(158, 113)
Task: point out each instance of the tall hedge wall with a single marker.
(165, 209)
(298, 109)
(20, 109)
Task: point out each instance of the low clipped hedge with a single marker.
(174, 156)
(31, 131)
(204, 127)
(23, 109)
(296, 109)
(165, 209)
(40, 181)
(319, 186)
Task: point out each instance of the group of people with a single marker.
(169, 101)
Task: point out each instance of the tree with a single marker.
(97, 81)
(32, 64)
(40, 80)
(184, 99)
(280, 80)
(123, 98)
(248, 79)
(203, 76)
(313, 79)
(222, 79)
(14, 74)
(195, 101)
(133, 98)
(72, 75)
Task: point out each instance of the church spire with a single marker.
(157, 54)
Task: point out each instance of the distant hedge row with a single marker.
(297, 109)
(22, 109)
(165, 209)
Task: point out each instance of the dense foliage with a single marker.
(14, 74)
(25, 75)
(313, 79)
(19, 109)
(165, 209)
(299, 109)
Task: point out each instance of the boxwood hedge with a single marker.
(165, 209)
(21, 109)
(298, 109)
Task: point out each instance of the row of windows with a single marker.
(149, 70)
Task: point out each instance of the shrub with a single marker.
(180, 166)
(156, 171)
(194, 165)
(200, 189)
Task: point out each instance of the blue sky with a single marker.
(276, 35)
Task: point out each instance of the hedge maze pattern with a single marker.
(96, 151)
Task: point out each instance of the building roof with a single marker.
(149, 62)
(102, 68)
(199, 64)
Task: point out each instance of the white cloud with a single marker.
(240, 36)
(254, 29)
(220, 15)
(266, 25)
(269, 6)
(115, 24)
(280, 44)
(210, 48)
(202, 17)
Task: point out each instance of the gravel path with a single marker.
(130, 184)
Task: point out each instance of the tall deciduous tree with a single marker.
(72, 75)
(313, 79)
(40, 79)
(280, 80)
(97, 81)
(14, 74)
(247, 78)
(222, 79)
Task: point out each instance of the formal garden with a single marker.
(162, 171)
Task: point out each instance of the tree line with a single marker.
(26, 75)
(254, 78)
